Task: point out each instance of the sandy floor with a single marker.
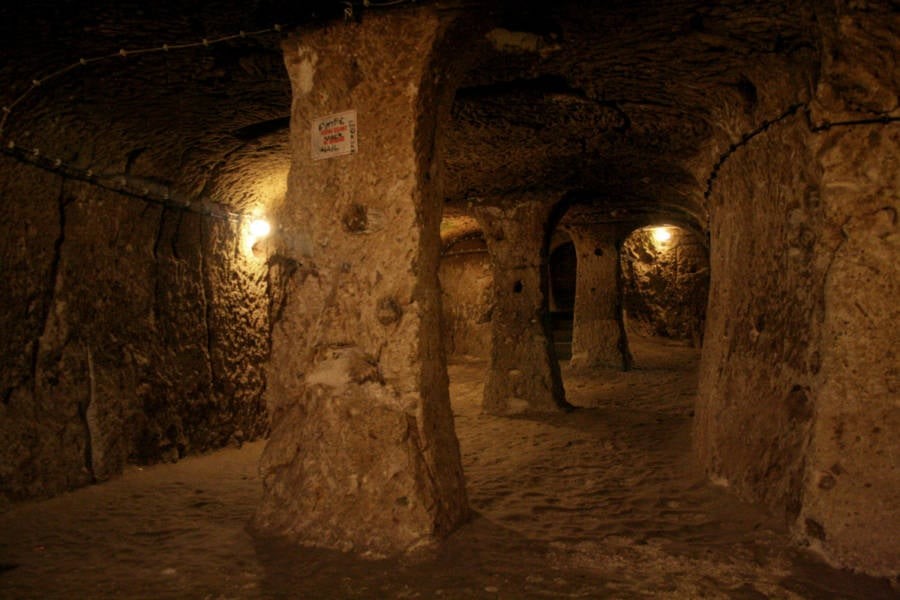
(603, 502)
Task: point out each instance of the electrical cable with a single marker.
(37, 82)
(38, 158)
(120, 184)
(813, 128)
(117, 183)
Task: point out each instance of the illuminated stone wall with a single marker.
(467, 287)
(132, 331)
(666, 284)
(797, 402)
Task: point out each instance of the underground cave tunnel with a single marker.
(458, 362)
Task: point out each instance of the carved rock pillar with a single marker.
(598, 335)
(363, 455)
(524, 374)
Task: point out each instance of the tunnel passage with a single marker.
(561, 275)
(739, 145)
(666, 282)
(561, 266)
(771, 127)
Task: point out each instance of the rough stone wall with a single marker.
(467, 286)
(755, 412)
(363, 455)
(666, 284)
(797, 403)
(852, 495)
(132, 334)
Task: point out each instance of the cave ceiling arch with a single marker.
(204, 120)
(621, 105)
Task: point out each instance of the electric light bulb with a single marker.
(260, 228)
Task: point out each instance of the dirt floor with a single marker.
(602, 502)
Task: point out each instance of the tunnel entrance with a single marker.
(665, 278)
(562, 267)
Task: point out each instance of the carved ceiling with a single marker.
(621, 105)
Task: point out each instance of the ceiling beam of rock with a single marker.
(631, 216)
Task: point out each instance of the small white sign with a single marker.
(334, 135)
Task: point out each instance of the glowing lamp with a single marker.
(260, 228)
(662, 235)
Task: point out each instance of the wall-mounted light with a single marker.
(260, 228)
(661, 235)
(253, 232)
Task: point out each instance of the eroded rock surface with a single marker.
(136, 332)
(852, 489)
(524, 374)
(467, 299)
(798, 379)
(363, 455)
(666, 283)
(134, 329)
(598, 334)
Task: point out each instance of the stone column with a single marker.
(363, 455)
(524, 374)
(598, 334)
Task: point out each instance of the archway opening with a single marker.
(562, 266)
(665, 280)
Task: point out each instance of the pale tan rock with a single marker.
(598, 334)
(467, 289)
(520, 336)
(363, 456)
(798, 391)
